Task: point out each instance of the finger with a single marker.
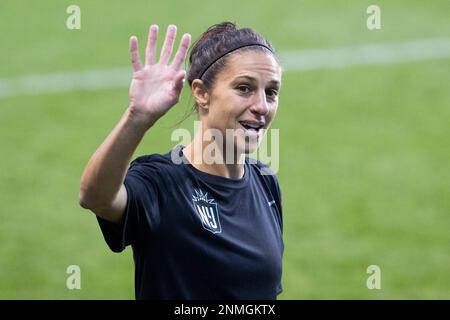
(166, 50)
(182, 51)
(135, 60)
(150, 52)
(179, 80)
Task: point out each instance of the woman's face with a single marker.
(244, 98)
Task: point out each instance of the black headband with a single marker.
(233, 48)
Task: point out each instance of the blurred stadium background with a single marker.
(364, 149)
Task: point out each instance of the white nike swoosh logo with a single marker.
(271, 202)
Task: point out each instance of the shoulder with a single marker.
(157, 171)
(154, 172)
(155, 163)
(261, 169)
(265, 173)
(268, 179)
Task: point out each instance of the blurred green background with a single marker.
(364, 150)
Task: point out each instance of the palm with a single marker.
(152, 89)
(156, 86)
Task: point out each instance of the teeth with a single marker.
(251, 126)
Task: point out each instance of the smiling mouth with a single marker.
(251, 126)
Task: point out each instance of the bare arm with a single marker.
(155, 88)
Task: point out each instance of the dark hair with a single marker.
(212, 47)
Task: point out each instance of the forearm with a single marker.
(105, 172)
(154, 89)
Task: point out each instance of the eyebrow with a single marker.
(272, 82)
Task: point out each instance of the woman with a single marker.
(199, 229)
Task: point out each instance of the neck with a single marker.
(210, 157)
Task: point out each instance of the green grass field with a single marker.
(364, 163)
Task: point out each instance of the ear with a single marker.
(200, 93)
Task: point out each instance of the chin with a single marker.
(244, 147)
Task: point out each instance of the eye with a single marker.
(271, 93)
(244, 89)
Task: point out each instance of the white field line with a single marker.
(308, 59)
(370, 54)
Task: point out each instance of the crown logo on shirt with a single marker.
(201, 196)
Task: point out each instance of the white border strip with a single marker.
(309, 59)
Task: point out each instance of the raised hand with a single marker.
(156, 86)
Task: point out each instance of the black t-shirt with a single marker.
(199, 236)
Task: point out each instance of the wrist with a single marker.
(140, 121)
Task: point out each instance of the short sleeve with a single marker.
(141, 216)
(279, 288)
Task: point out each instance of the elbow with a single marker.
(91, 201)
(87, 196)
(83, 194)
(83, 200)
(86, 199)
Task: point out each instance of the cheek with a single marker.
(229, 109)
(220, 116)
(272, 112)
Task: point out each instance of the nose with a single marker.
(260, 106)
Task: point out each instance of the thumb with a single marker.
(179, 80)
